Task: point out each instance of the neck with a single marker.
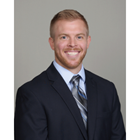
(76, 70)
(71, 69)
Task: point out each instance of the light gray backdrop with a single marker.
(105, 56)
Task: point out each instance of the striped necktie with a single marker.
(80, 98)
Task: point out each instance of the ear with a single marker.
(51, 42)
(88, 41)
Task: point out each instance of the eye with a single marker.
(79, 37)
(63, 37)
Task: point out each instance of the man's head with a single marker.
(68, 15)
(69, 39)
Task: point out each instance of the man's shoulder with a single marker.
(104, 86)
(36, 82)
(98, 79)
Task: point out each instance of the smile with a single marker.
(72, 53)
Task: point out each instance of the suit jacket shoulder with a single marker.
(97, 78)
(100, 82)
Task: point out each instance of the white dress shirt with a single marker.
(67, 75)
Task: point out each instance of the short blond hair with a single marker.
(67, 14)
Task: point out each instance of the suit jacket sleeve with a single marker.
(118, 130)
(30, 119)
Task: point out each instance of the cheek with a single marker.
(60, 45)
(84, 46)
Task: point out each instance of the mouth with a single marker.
(72, 53)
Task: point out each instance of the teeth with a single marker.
(72, 53)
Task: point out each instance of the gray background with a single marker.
(105, 56)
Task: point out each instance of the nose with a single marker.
(72, 42)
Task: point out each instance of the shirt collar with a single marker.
(66, 74)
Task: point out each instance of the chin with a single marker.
(73, 65)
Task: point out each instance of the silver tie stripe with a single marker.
(80, 98)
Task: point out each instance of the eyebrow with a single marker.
(68, 34)
(63, 34)
(81, 34)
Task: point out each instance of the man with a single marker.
(67, 102)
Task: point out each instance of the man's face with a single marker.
(70, 43)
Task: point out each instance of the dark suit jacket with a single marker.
(46, 110)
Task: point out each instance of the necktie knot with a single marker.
(75, 80)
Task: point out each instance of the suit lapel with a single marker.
(60, 86)
(92, 105)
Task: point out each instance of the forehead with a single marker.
(71, 25)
